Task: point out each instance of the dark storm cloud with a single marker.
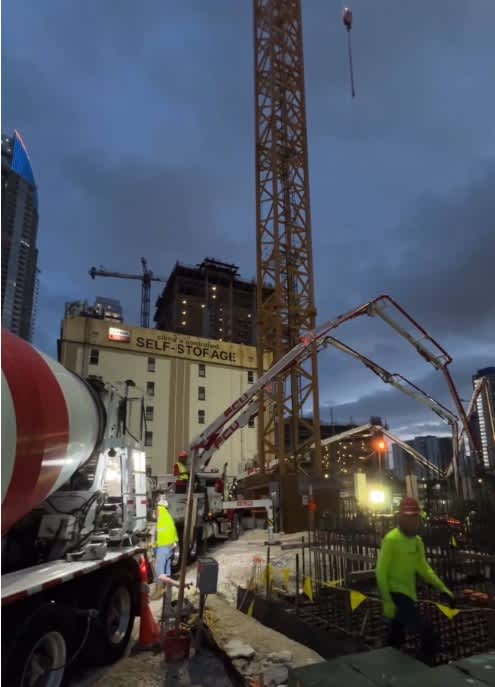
(140, 126)
(130, 197)
(365, 394)
(445, 259)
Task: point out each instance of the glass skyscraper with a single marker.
(19, 234)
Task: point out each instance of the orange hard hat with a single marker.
(409, 506)
(182, 454)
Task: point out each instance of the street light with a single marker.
(380, 448)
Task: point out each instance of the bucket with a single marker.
(176, 645)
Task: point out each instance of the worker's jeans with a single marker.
(163, 560)
(409, 618)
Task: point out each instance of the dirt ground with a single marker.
(235, 561)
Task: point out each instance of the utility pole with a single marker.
(286, 307)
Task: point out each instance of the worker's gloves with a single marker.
(389, 609)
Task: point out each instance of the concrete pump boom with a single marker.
(246, 407)
(397, 381)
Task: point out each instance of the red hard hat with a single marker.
(409, 506)
(183, 454)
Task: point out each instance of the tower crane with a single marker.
(145, 278)
(284, 243)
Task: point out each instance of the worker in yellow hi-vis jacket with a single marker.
(166, 539)
(401, 558)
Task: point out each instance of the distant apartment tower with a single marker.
(19, 234)
(437, 450)
(484, 422)
(210, 301)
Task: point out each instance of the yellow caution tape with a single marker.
(357, 599)
(332, 583)
(250, 609)
(308, 588)
(446, 610)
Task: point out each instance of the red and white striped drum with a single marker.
(50, 426)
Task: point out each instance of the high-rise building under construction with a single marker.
(19, 233)
(209, 300)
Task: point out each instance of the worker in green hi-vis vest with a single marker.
(401, 558)
(166, 538)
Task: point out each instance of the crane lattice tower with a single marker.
(284, 243)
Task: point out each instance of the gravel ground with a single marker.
(235, 561)
(150, 670)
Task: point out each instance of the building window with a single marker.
(201, 393)
(149, 413)
(251, 422)
(201, 370)
(150, 388)
(151, 364)
(250, 377)
(201, 417)
(94, 356)
(148, 438)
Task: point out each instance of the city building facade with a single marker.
(19, 236)
(186, 382)
(210, 301)
(438, 450)
(484, 421)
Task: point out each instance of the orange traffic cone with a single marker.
(149, 629)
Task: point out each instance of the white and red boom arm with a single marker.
(210, 440)
(398, 381)
(214, 436)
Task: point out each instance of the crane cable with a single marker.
(347, 20)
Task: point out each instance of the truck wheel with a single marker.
(110, 632)
(41, 653)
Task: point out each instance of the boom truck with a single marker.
(213, 517)
(73, 519)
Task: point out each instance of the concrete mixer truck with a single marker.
(73, 519)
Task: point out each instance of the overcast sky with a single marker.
(138, 117)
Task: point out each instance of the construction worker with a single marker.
(181, 472)
(166, 539)
(401, 557)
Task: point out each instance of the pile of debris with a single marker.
(257, 653)
(271, 671)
